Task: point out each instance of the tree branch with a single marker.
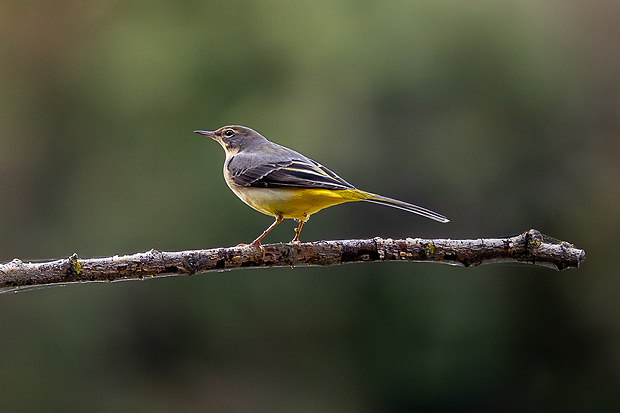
(530, 247)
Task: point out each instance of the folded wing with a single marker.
(289, 174)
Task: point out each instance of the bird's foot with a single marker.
(254, 244)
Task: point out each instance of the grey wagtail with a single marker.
(280, 182)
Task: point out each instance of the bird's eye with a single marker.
(229, 132)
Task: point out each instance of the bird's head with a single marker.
(234, 137)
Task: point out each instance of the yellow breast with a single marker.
(294, 203)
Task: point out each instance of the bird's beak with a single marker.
(206, 133)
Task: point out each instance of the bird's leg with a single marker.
(276, 222)
(297, 232)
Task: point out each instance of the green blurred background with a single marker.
(502, 115)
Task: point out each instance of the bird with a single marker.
(285, 184)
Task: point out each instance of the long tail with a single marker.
(382, 200)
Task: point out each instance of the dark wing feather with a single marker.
(289, 174)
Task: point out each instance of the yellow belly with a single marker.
(291, 203)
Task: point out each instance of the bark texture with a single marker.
(530, 247)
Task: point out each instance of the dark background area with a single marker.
(504, 116)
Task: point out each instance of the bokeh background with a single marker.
(502, 115)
